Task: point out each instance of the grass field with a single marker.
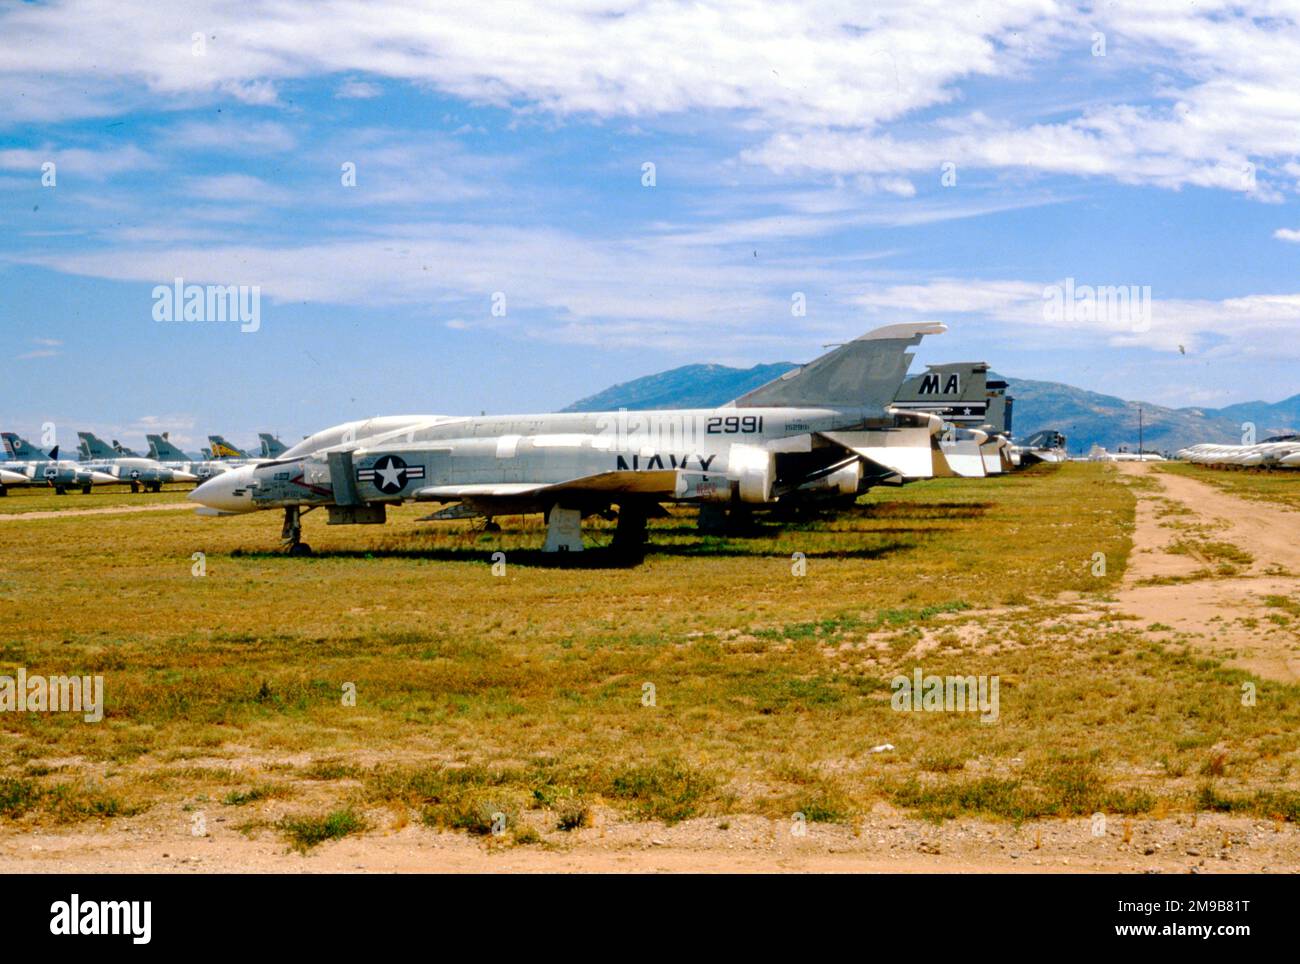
(1275, 485)
(43, 499)
(709, 679)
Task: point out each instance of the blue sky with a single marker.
(798, 148)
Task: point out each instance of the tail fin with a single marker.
(864, 373)
(957, 392)
(272, 447)
(20, 448)
(998, 419)
(1048, 438)
(122, 450)
(93, 447)
(162, 450)
(221, 449)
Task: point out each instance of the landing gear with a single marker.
(725, 520)
(85, 489)
(60, 490)
(291, 533)
(630, 533)
(563, 530)
(135, 486)
(491, 525)
(155, 486)
(712, 520)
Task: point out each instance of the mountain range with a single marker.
(1085, 418)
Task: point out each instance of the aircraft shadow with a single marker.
(595, 557)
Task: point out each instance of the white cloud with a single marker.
(358, 90)
(236, 187)
(229, 135)
(1288, 234)
(1197, 92)
(83, 163)
(46, 348)
(1255, 325)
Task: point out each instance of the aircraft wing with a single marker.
(662, 483)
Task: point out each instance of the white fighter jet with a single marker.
(824, 431)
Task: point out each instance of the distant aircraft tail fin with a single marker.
(863, 373)
(221, 449)
(998, 417)
(162, 450)
(272, 447)
(957, 392)
(19, 448)
(93, 447)
(122, 450)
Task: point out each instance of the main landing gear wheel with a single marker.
(491, 525)
(630, 532)
(299, 549)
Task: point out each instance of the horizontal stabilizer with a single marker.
(907, 452)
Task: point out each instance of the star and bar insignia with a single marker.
(390, 474)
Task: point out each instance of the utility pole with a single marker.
(1140, 459)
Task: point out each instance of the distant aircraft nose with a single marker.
(227, 492)
(180, 475)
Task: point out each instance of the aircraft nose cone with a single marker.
(227, 492)
(179, 475)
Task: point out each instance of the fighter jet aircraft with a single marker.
(130, 469)
(9, 477)
(1045, 446)
(28, 465)
(162, 450)
(272, 447)
(825, 430)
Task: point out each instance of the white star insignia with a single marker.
(391, 475)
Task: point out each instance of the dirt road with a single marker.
(106, 510)
(1175, 578)
(883, 842)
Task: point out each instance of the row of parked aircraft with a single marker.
(1279, 452)
(101, 464)
(823, 433)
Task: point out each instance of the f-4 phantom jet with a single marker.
(125, 466)
(28, 465)
(824, 431)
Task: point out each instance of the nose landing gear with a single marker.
(291, 532)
